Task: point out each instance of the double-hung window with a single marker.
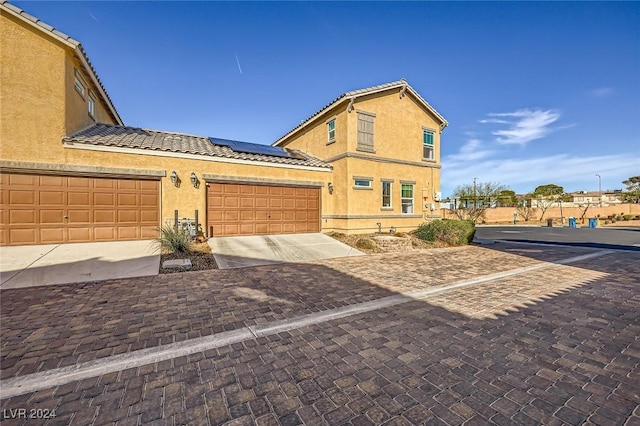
(386, 194)
(80, 84)
(428, 146)
(331, 131)
(91, 104)
(406, 196)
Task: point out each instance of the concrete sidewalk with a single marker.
(240, 252)
(39, 265)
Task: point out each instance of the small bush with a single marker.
(400, 235)
(627, 217)
(637, 217)
(366, 244)
(175, 240)
(452, 232)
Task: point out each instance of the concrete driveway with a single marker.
(30, 266)
(239, 252)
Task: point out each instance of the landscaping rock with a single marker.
(177, 264)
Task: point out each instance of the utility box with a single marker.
(188, 225)
(549, 223)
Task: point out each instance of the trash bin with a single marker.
(572, 222)
(592, 222)
(549, 223)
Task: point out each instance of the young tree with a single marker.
(475, 199)
(546, 196)
(632, 194)
(507, 198)
(583, 209)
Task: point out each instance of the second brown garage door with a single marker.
(234, 209)
(43, 209)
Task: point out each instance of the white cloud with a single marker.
(525, 174)
(468, 152)
(525, 125)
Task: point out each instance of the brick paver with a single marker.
(553, 346)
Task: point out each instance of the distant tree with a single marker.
(507, 198)
(583, 209)
(475, 199)
(546, 196)
(524, 208)
(632, 194)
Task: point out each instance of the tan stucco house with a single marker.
(72, 171)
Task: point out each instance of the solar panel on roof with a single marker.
(253, 148)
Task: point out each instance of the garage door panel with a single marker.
(22, 217)
(40, 209)
(51, 198)
(24, 198)
(79, 216)
(106, 199)
(51, 217)
(78, 199)
(22, 236)
(79, 235)
(261, 209)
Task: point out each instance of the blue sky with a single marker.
(534, 92)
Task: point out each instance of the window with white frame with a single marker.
(428, 146)
(80, 84)
(91, 104)
(365, 131)
(364, 183)
(331, 131)
(386, 194)
(406, 196)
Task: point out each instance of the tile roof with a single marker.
(46, 28)
(133, 137)
(366, 91)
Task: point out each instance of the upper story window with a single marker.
(91, 104)
(386, 194)
(331, 130)
(365, 131)
(428, 147)
(360, 182)
(80, 84)
(406, 194)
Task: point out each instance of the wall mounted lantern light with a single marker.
(175, 179)
(330, 187)
(194, 180)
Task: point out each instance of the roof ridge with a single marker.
(359, 92)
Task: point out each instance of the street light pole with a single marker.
(599, 190)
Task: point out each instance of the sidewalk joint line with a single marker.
(59, 376)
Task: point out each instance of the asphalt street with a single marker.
(608, 238)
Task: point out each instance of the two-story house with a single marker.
(384, 145)
(72, 171)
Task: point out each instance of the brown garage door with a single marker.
(42, 209)
(260, 209)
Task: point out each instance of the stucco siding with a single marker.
(32, 91)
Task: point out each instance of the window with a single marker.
(331, 131)
(386, 194)
(406, 195)
(79, 84)
(91, 104)
(365, 132)
(428, 149)
(362, 182)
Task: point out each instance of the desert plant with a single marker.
(452, 232)
(366, 244)
(627, 217)
(175, 239)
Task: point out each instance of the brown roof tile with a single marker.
(133, 137)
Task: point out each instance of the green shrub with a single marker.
(175, 240)
(452, 232)
(627, 217)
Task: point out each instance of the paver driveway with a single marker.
(533, 342)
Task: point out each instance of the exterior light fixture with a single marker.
(174, 178)
(194, 180)
(330, 187)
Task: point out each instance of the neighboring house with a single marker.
(613, 196)
(71, 171)
(384, 145)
